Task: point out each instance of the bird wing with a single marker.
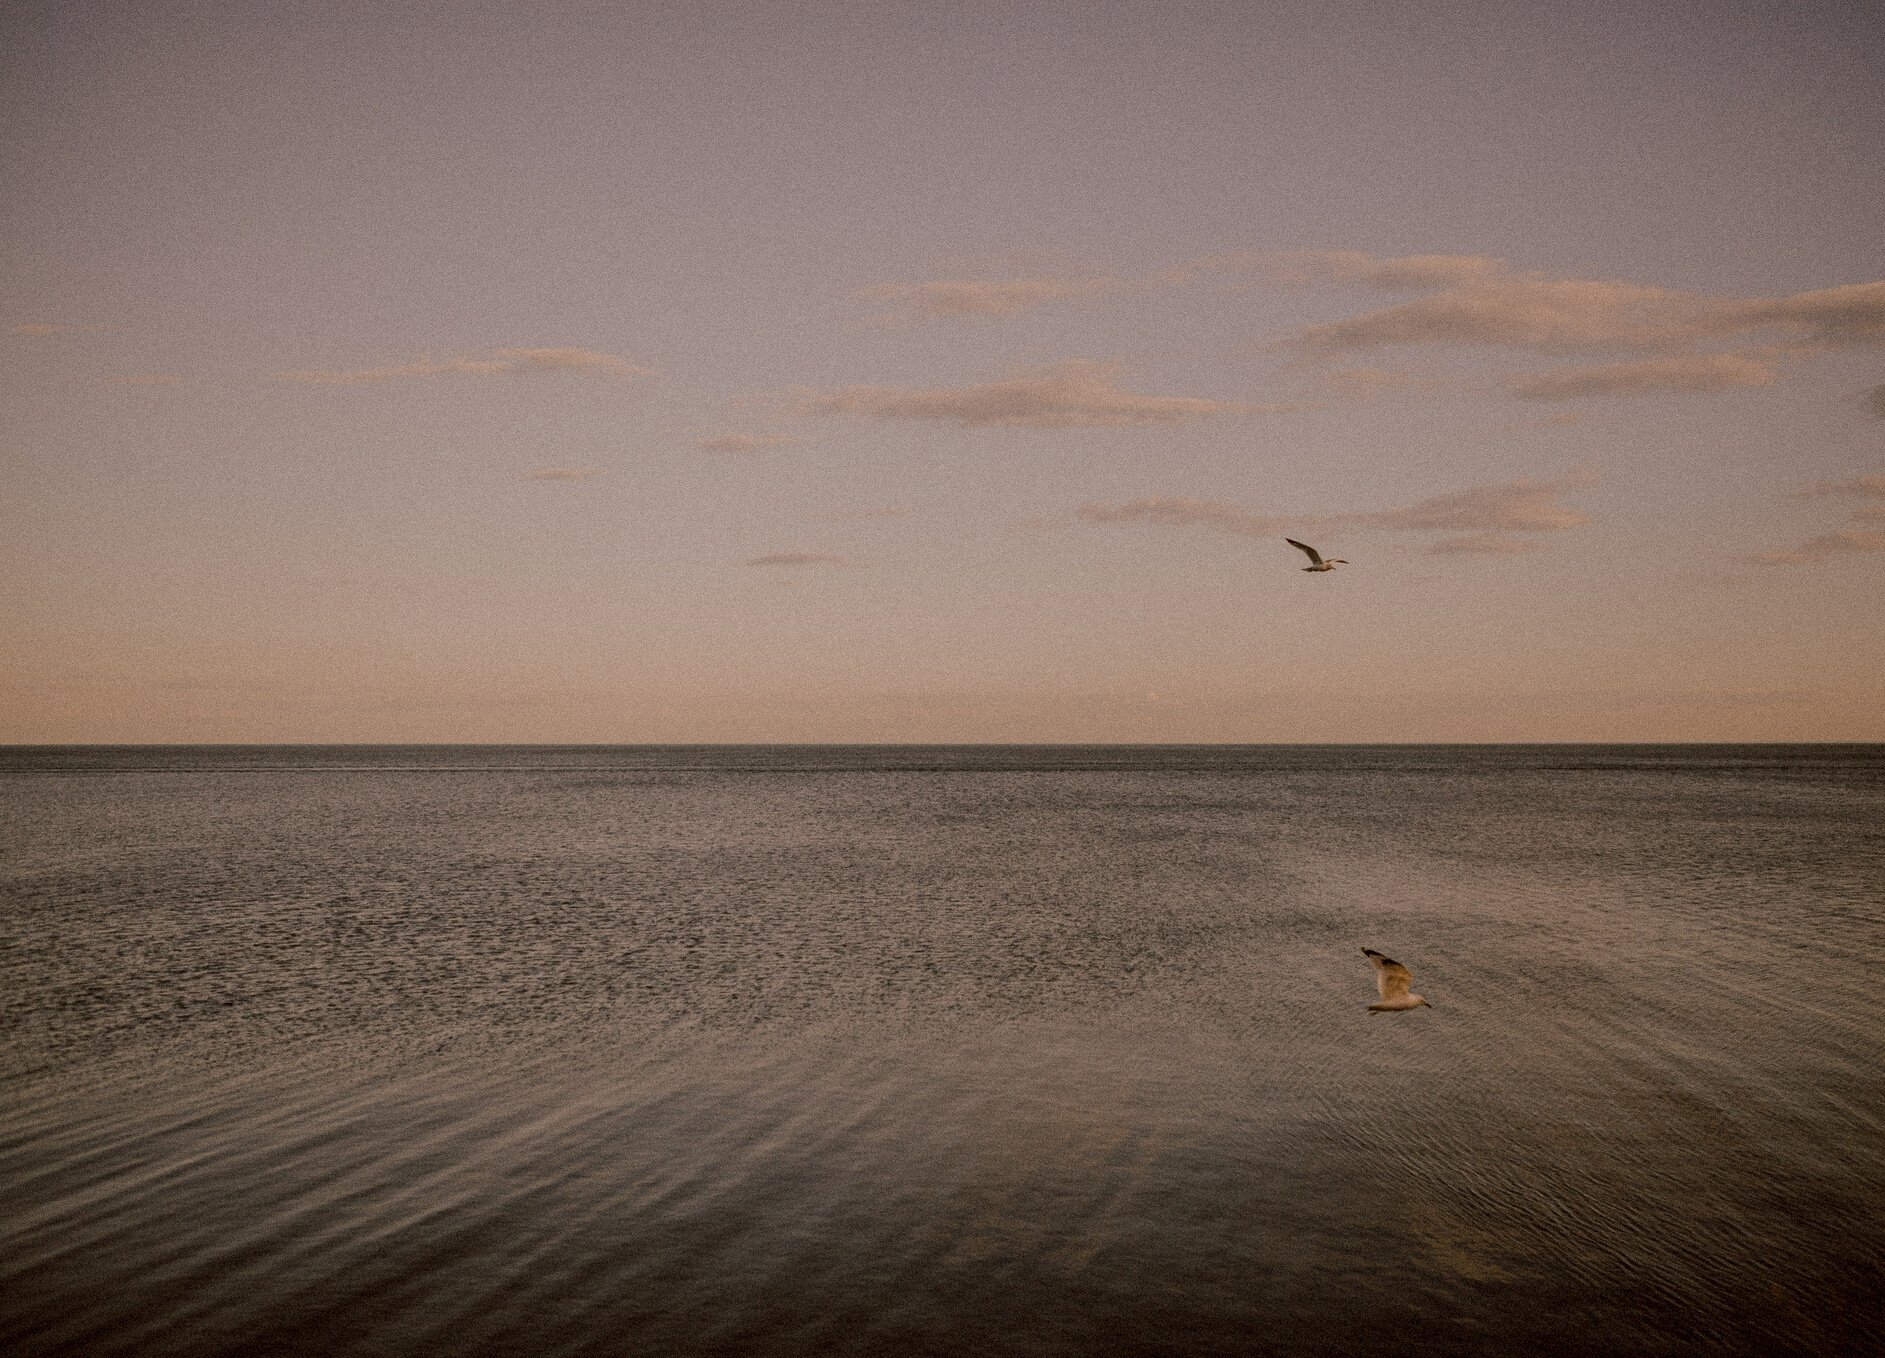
(1314, 555)
(1390, 977)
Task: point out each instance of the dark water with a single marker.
(955, 1051)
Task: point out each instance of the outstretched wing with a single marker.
(1314, 555)
(1390, 977)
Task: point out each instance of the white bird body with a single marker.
(1392, 980)
(1316, 563)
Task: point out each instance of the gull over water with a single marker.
(1393, 981)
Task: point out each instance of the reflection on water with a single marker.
(940, 1051)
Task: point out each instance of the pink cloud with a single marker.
(1493, 512)
(1525, 506)
(1571, 314)
(1840, 542)
(41, 328)
(1079, 394)
(1405, 273)
(1520, 313)
(1870, 487)
(1186, 270)
(561, 474)
(1484, 544)
(1186, 511)
(1692, 373)
(421, 368)
(507, 362)
(800, 559)
(857, 515)
(743, 443)
(986, 297)
(1829, 317)
(569, 360)
(1361, 384)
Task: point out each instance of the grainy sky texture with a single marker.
(943, 372)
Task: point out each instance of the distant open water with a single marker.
(814, 1050)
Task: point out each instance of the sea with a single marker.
(895, 1050)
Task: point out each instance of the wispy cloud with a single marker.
(970, 297)
(1363, 384)
(561, 474)
(1484, 544)
(1473, 300)
(1841, 541)
(796, 559)
(43, 328)
(1185, 270)
(1853, 315)
(570, 360)
(743, 443)
(859, 515)
(1001, 297)
(503, 363)
(1488, 514)
(1186, 511)
(1870, 487)
(457, 367)
(1873, 402)
(1519, 313)
(1404, 273)
(1524, 506)
(1568, 315)
(1690, 373)
(997, 297)
(1559, 420)
(1080, 394)
(145, 380)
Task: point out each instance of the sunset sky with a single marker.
(726, 372)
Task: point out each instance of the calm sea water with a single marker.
(437, 1051)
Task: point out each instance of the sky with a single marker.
(942, 372)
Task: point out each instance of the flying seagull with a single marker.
(1315, 557)
(1392, 979)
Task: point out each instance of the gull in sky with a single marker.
(1392, 979)
(1315, 557)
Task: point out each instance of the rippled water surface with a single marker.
(404, 1051)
